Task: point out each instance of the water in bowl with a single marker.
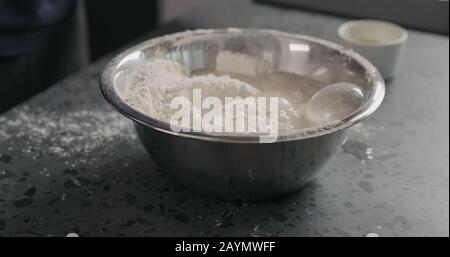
(302, 100)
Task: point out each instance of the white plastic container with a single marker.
(379, 41)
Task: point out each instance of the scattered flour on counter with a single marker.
(3, 134)
(67, 134)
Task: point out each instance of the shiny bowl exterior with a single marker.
(239, 167)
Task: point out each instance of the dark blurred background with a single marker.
(43, 41)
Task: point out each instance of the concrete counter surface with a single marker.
(70, 163)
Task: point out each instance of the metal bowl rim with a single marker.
(373, 101)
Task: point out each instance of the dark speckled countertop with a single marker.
(69, 163)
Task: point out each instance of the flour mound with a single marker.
(152, 86)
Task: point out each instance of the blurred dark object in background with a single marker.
(112, 24)
(428, 15)
(41, 42)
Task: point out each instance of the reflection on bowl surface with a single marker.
(235, 166)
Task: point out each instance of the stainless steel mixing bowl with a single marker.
(236, 166)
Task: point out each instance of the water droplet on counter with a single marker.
(225, 219)
(72, 235)
(372, 235)
(263, 230)
(231, 187)
(200, 217)
(360, 150)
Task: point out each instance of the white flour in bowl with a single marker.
(151, 87)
